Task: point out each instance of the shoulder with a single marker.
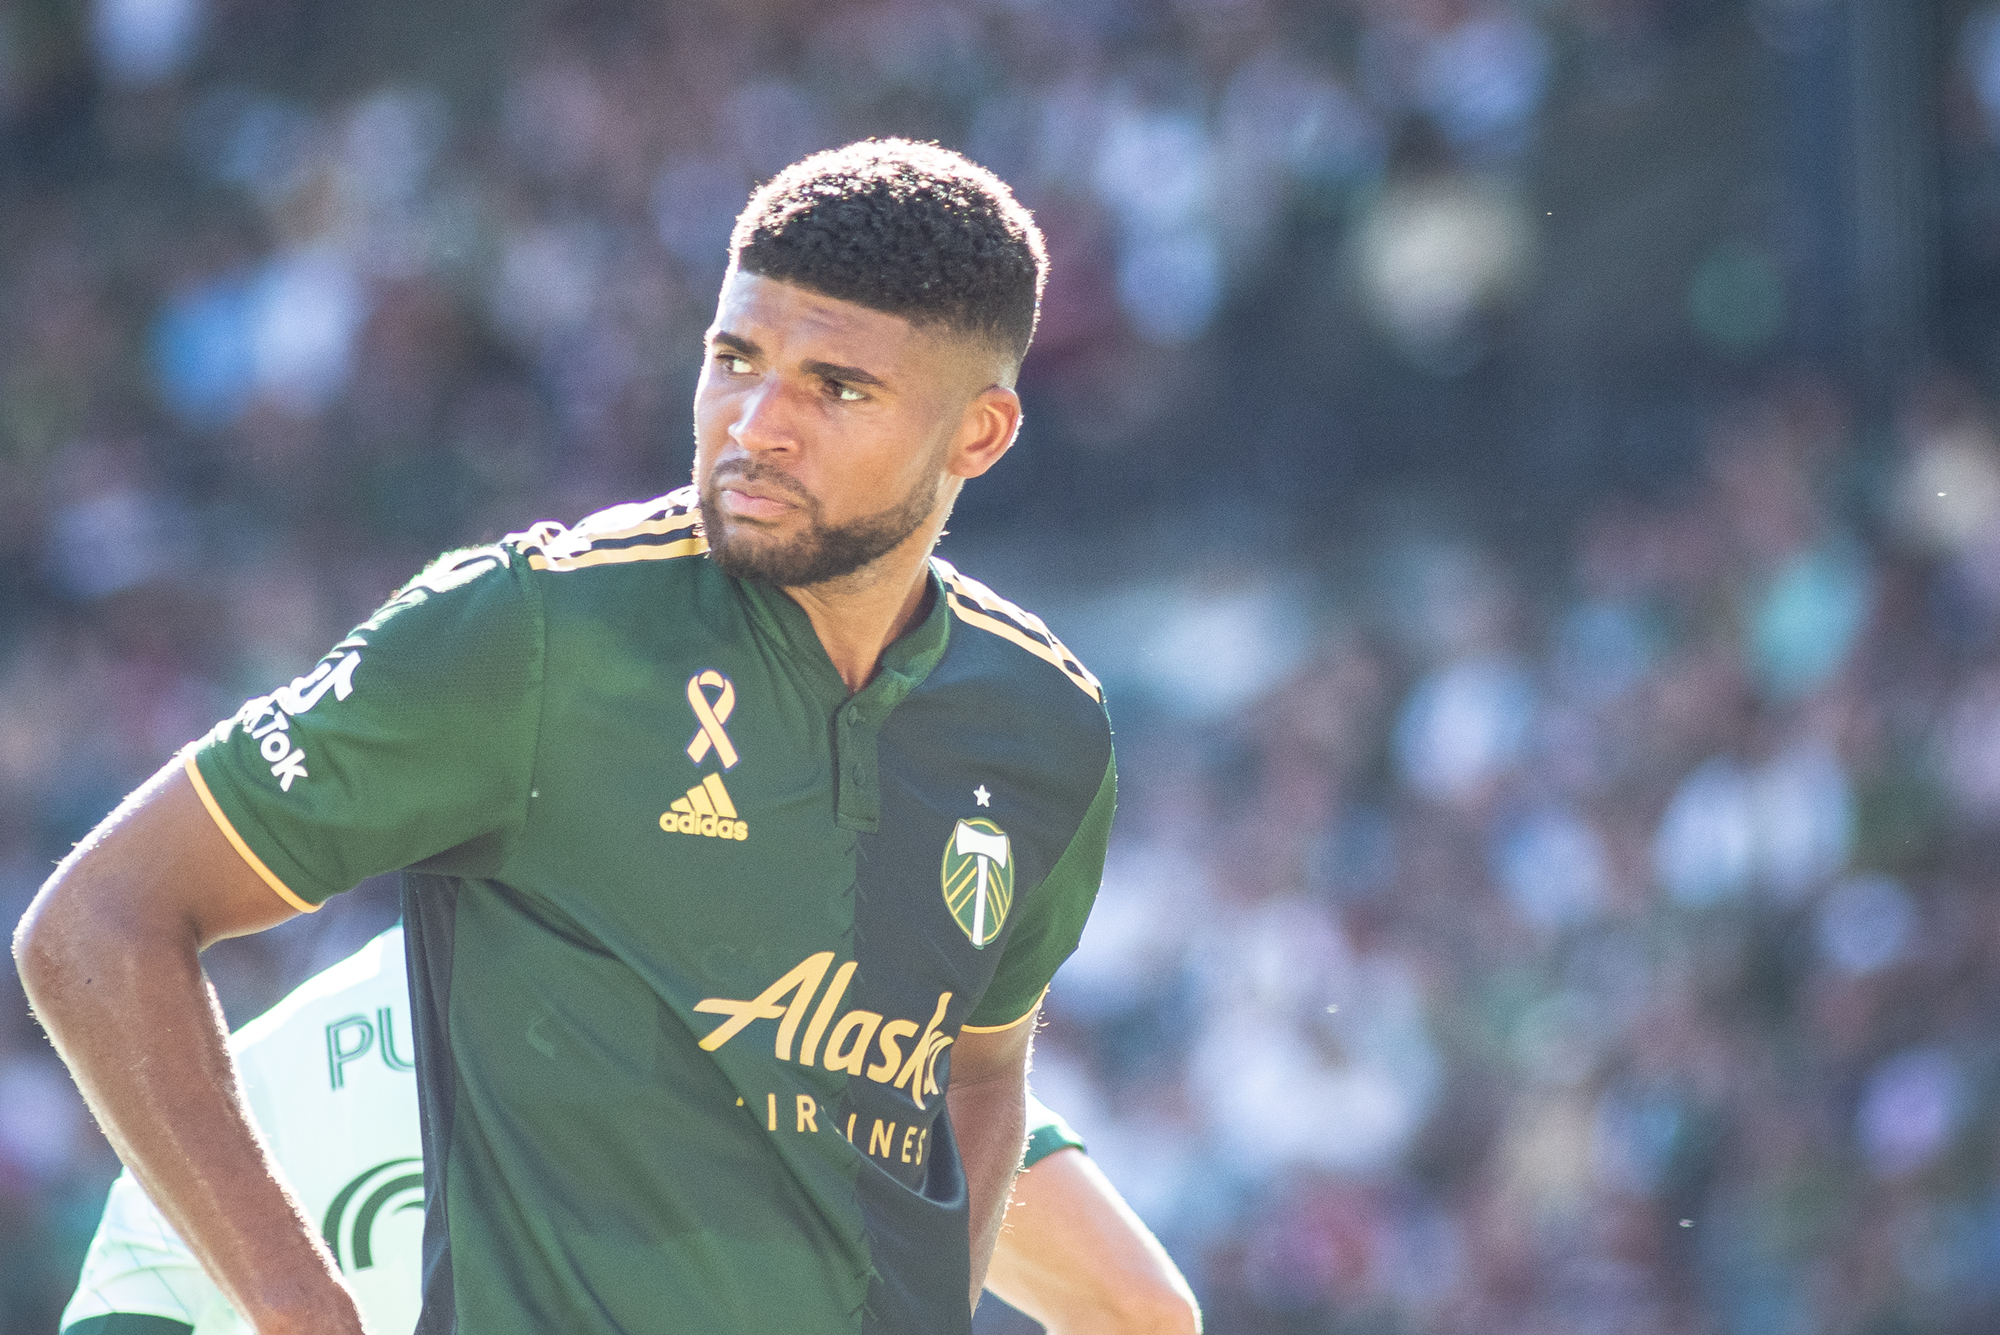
(1034, 648)
(656, 530)
(661, 529)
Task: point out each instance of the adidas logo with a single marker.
(705, 810)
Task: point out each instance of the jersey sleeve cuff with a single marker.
(1003, 1028)
(1047, 1139)
(249, 855)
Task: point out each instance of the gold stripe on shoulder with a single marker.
(1009, 632)
(538, 534)
(550, 546)
(671, 523)
(664, 551)
(977, 605)
(236, 840)
(630, 516)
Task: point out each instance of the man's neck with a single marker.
(858, 616)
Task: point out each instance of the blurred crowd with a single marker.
(1583, 935)
(1609, 946)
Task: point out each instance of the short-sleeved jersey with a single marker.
(327, 1074)
(692, 929)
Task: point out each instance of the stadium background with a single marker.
(1525, 469)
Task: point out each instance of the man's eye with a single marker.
(847, 393)
(733, 364)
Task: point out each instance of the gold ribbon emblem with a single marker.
(712, 717)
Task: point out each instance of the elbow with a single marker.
(1158, 1309)
(66, 939)
(34, 952)
(1180, 1317)
(41, 958)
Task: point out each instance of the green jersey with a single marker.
(691, 928)
(333, 1096)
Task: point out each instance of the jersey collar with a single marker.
(905, 663)
(857, 718)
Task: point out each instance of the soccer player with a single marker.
(327, 1075)
(741, 837)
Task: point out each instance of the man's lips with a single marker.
(753, 503)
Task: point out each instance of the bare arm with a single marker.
(1075, 1258)
(108, 953)
(989, 1117)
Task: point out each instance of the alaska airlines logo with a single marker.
(705, 810)
(978, 879)
(847, 1039)
(354, 1240)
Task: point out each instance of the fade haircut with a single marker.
(905, 228)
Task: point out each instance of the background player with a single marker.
(327, 1074)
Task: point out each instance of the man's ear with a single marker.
(986, 432)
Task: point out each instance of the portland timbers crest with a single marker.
(978, 879)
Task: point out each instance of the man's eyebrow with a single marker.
(848, 375)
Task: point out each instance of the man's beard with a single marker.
(824, 551)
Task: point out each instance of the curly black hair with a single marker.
(911, 229)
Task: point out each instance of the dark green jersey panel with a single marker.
(692, 930)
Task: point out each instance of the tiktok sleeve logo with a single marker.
(267, 720)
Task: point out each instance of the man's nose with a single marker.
(765, 419)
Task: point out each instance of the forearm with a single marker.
(1078, 1260)
(990, 1121)
(164, 1092)
(117, 982)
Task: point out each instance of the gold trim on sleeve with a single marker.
(1003, 1028)
(236, 840)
